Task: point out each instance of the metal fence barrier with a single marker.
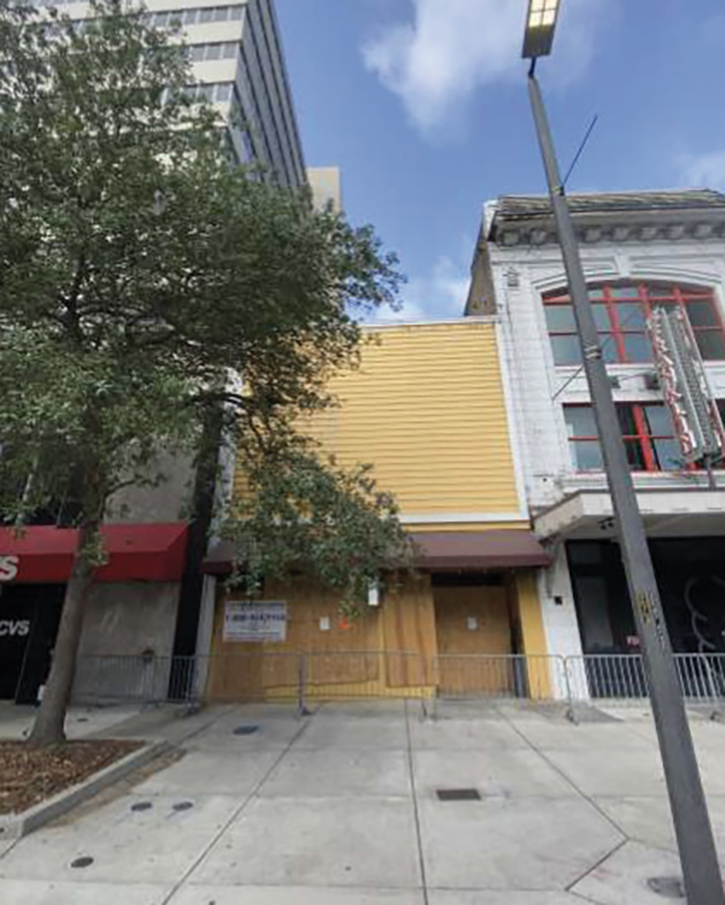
(622, 678)
(345, 675)
(606, 677)
(702, 677)
(539, 677)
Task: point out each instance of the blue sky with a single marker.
(423, 105)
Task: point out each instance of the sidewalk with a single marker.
(342, 807)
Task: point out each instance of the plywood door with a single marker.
(410, 633)
(473, 658)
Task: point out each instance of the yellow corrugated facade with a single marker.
(427, 409)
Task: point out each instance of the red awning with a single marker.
(476, 550)
(44, 555)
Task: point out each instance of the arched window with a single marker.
(621, 311)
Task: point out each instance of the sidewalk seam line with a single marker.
(568, 780)
(237, 811)
(416, 815)
(599, 863)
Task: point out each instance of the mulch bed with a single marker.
(28, 775)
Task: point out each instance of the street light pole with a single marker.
(700, 867)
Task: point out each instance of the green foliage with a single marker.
(301, 511)
(139, 271)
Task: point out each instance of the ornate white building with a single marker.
(641, 251)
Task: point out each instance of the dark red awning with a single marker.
(476, 550)
(440, 550)
(44, 555)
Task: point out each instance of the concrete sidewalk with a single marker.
(342, 807)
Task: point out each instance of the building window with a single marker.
(621, 312)
(224, 50)
(647, 429)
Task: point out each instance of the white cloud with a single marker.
(453, 47)
(440, 294)
(704, 170)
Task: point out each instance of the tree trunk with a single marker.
(49, 727)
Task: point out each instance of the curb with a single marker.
(14, 826)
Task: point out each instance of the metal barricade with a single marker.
(618, 677)
(539, 677)
(117, 678)
(250, 676)
(349, 675)
(621, 678)
(702, 677)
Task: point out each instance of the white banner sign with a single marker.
(258, 620)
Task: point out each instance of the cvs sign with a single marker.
(14, 628)
(9, 566)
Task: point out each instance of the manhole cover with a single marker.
(667, 887)
(183, 805)
(458, 794)
(84, 861)
(246, 730)
(141, 806)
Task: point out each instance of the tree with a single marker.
(140, 271)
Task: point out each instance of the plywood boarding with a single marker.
(250, 669)
(473, 659)
(427, 409)
(409, 625)
(387, 650)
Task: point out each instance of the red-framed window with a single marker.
(621, 311)
(647, 429)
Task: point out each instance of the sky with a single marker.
(423, 105)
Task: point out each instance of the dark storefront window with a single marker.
(621, 312)
(647, 429)
(691, 578)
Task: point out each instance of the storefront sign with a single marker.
(264, 620)
(14, 627)
(9, 566)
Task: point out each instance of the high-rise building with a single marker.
(237, 62)
(326, 186)
(149, 598)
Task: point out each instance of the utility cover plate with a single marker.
(458, 794)
(246, 730)
(667, 887)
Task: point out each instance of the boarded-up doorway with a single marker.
(474, 631)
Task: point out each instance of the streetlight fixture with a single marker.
(540, 28)
(698, 856)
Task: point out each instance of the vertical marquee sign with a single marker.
(696, 418)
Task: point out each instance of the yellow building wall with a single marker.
(533, 635)
(427, 408)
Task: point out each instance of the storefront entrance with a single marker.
(691, 577)
(29, 616)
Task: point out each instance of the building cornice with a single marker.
(614, 229)
(615, 218)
